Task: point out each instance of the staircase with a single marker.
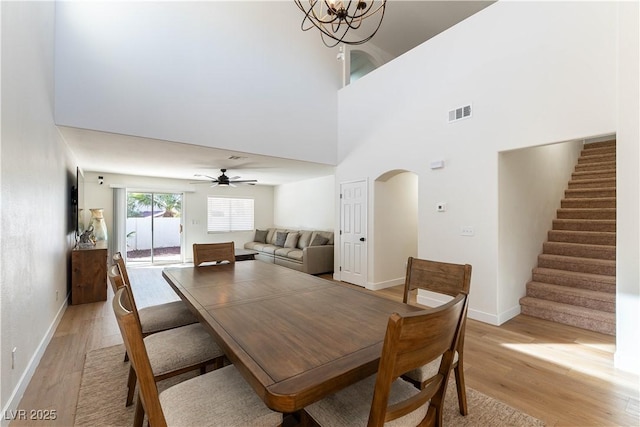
(575, 280)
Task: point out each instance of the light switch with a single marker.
(441, 207)
(467, 230)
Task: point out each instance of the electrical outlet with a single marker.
(467, 230)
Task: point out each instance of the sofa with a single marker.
(309, 251)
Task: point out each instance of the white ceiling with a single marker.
(406, 24)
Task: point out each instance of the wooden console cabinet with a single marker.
(89, 274)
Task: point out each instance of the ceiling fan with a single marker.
(224, 180)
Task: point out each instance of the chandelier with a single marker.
(335, 19)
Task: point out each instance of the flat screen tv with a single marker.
(77, 202)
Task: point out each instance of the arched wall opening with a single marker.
(395, 227)
(361, 64)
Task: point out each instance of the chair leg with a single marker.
(126, 356)
(138, 417)
(462, 390)
(131, 384)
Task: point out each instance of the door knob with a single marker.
(362, 239)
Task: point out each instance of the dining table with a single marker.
(295, 337)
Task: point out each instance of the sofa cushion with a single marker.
(252, 245)
(271, 233)
(281, 238)
(261, 236)
(319, 240)
(284, 251)
(295, 254)
(305, 239)
(292, 240)
(268, 249)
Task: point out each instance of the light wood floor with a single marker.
(560, 374)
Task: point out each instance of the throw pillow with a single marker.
(319, 240)
(261, 236)
(281, 237)
(292, 240)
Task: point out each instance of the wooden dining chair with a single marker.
(411, 340)
(443, 278)
(155, 318)
(173, 351)
(218, 398)
(213, 252)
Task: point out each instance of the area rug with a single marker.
(103, 393)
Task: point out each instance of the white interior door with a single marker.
(353, 229)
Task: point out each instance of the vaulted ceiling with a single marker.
(406, 24)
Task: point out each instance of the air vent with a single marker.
(236, 157)
(460, 113)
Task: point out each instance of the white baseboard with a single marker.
(10, 410)
(385, 284)
(492, 319)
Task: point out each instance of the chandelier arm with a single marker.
(336, 21)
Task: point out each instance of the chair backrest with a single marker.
(115, 278)
(440, 277)
(411, 341)
(119, 260)
(117, 283)
(134, 343)
(213, 252)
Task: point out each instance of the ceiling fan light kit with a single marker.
(224, 181)
(335, 19)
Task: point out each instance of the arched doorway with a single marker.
(395, 226)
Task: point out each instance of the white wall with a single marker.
(237, 75)
(531, 185)
(194, 204)
(395, 228)
(535, 72)
(628, 190)
(37, 172)
(305, 205)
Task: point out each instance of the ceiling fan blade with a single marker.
(206, 176)
(233, 178)
(245, 181)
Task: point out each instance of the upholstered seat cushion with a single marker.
(295, 254)
(285, 251)
(429, 370)
(268, 249)
(165, 316)
(350, 406)
(218, 398)
(181, 347)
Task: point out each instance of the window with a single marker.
(225, 214)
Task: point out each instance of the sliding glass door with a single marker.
(154, 227)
